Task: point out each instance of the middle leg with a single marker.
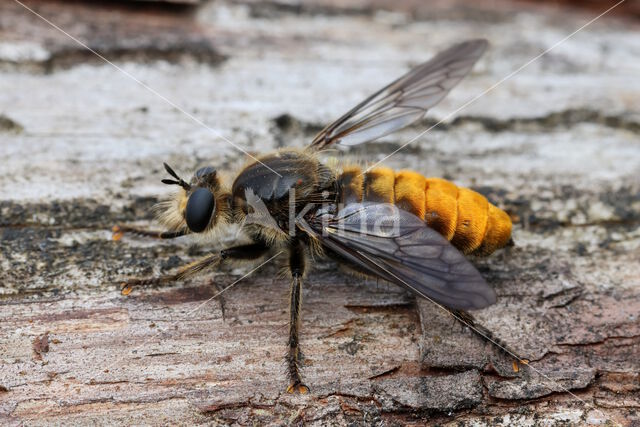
(296, 266)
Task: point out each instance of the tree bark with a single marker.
(83, 143)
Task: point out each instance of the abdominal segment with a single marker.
(463, 216)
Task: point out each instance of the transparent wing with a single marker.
(399, 247)
(405, 100)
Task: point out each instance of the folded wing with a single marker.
(399, 247)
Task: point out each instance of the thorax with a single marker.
(283, 182)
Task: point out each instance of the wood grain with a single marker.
(83, 144)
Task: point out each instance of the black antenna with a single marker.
(179, 181)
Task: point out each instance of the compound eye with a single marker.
(205, 171)
(200, 207)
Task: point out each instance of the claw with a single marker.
(117, 233)
(126, 288)
(517, 363)
(297, 387)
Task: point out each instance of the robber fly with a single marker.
(395, 225)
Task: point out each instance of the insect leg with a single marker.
(243, 252)
(182, 273)
(220, 288)
(468, 320)
(296, 266)
(249, 252)
(119, 230)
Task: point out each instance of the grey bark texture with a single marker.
(82, 145)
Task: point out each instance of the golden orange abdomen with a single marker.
(463, 216)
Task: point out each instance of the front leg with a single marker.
(248, 252)
(119, 230)
(296, 266)
(183, 272)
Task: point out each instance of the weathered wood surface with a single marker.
(82, 149)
